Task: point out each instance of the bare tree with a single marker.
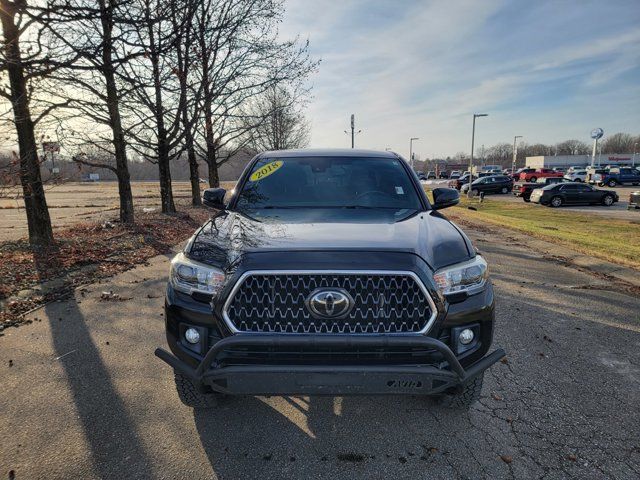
(95, 31)
(277, 121)
(571, 147)
(618, 143)
(156, 99)
(240, 57)
(22, 68)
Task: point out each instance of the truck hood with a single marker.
(223, 240)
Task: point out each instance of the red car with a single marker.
(532, 176)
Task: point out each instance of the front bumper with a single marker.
(330, 379)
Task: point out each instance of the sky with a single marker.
(546, 70)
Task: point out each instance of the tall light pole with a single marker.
(633, 161)
(473, 135)
(411, 149)
(515, 153)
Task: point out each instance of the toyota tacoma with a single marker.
(329, 272)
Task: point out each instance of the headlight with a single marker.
(188, 276)
(469, 276)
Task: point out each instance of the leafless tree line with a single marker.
(148, 79)
(502, 153)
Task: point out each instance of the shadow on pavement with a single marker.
(116, 449)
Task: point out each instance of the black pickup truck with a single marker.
(329, 273)
(524, 189)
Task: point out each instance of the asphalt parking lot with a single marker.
(84, 397)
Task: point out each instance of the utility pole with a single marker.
(353, 130)
(633, 161)
(473, 134)
(515, 153)
(411, 150)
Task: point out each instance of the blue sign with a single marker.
(597, 133)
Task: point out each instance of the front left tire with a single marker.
(194, 397)
(470, 394)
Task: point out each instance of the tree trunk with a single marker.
(214, 179)
(194, 176)
(166, 193)
(122, 167)
(38, 220)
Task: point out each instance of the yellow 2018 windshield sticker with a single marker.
(265, 171)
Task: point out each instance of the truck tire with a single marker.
(469, 395)
(504, 190)
(556, 202)
(533, 179)
(475, 192)
(192, 396)
(612, 183)
(526, 198)
(607, 200)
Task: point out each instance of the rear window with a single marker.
(328, 182)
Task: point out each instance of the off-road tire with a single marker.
(470, 395)
(555, 204)
(192, 396)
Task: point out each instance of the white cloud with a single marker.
(421, 68)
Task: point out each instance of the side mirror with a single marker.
(214, 198)
(445, 197)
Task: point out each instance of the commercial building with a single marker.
(550, 161)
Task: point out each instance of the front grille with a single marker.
(266, 302)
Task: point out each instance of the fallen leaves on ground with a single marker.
(31, 277)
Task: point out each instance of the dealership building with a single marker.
(550, 161)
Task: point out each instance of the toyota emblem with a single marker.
(329, 303)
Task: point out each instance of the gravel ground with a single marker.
(84, 397)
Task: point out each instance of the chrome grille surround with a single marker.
(273, 301)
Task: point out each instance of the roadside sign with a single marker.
(51, 147)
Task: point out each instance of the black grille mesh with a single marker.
(383, 303)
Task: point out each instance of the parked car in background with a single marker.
(573, 194)
(460, 181)
(559, 169)
(421, 176)
(431, 175)
(443, 175)
(524, 189)
(617, 176)
(576, 175)
(455, 174)
(516, 175)
(532, 176)
(592, 172)
(491, 184)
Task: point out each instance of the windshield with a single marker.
(328, 182)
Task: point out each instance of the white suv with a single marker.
(577, 176)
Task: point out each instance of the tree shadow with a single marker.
(115, 447)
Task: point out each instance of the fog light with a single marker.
(466, 336)
(193, 336)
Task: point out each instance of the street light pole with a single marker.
(515, 153)
(411, 149)
(473, 134)
(633, 161)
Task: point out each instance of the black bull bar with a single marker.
(329, 379)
